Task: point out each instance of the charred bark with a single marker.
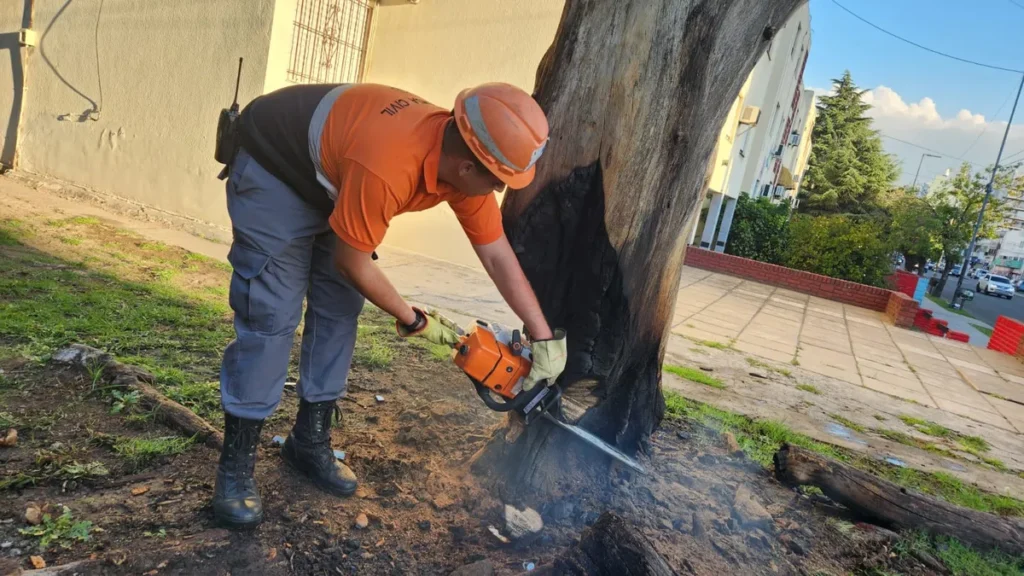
(611, 547)
(883, 502)
(636, 94)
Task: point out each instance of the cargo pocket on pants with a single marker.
(248, 295)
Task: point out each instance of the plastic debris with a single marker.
(339, 454)
(277, 440)
(529, 566)
(497, 534)
(379, 398)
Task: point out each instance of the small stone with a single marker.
(795, 545)
(15, 552)
(480, 568)
(424, 525)
(351, 545)
(520, 523)
(6, 545)
(37, 562)
(748, 511)
(682, 435)
(698, 526)
(362, 521)
(729, 440)
(33, 515)
(10, 440)
(666, 524)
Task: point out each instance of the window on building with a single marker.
(329, 41)
(799, 29)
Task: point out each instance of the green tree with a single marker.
(847, 247)
(914, 228)
(848, 170)
(956, 203)
(759, 230)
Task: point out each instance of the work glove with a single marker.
(548, 360)
(429, 328)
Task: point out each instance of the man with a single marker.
(321, 171)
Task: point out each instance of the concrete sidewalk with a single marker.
(960, 323)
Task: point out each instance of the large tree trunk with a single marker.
(941, 284)
(884, 502)
(636, 94)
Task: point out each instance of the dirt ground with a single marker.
(427, 515)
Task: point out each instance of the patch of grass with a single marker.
(974, 444)
(759, 364)
(84, 220)
(848, 423)
(7, 420)
(203, 398)
(62, 531)
(879, 417)
(51, 466)
(926, 426)
(373, 352)
(960, 559)
(153, 246)
(70, 240)
(436, 352)
(694, 375)
(897, 436)
(983, 329)
(140, 452)
(760, 439)
(945, 306)
(808, 388)
(697, 350)
(712, 344)
(794, 362)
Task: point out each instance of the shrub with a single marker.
(839, 246)
(759, 230)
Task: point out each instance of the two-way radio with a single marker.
(227, 129)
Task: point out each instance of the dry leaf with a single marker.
(37, 562)
(140, 490)
(10, 440)
(272, 554)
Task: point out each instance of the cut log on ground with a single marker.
(612, 547)
(883, 502)
(129, 377)
(636, 94)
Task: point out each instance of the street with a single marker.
(986, 308)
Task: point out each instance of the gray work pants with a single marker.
(282, 252)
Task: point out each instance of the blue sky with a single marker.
(924, 93)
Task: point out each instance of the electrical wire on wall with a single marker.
(98, 107)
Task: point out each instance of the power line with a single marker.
(1017, 4)
(987, 124)
(927, 149)
(922, 47)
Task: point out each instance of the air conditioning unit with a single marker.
(750, 115)
(794, 139)
(780, 191)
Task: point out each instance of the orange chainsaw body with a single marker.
(497, 365)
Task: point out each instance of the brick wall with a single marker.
(1007, 337)
(901, 309)
(797, 280)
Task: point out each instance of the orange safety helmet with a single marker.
(505, 128)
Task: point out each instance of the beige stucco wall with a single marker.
(435, 49)
(167, 68)
(10, 76)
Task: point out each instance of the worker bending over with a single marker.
(320, 172)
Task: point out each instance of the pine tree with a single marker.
(848, 170)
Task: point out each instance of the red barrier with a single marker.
(1007, 336)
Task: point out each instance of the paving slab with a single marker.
(974, 414)
(966, 397)
(757, 349)
(1013, 412)
(921, 397)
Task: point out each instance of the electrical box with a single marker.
(28, 37)
(750, 115)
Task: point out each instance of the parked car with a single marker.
(1019, 283)
(993, 285)
(979, 274)
(955, 271)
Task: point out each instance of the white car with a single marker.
(993, 285)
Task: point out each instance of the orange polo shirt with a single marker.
(379, 149)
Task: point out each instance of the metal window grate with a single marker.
(329, 41)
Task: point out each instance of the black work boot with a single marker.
(308, 449)
(236, 502)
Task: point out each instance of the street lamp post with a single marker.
(923, 156)
(988, 192)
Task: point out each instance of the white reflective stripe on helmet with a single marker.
(476, 122)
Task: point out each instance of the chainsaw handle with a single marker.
(485, 395)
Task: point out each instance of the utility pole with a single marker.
(988, 193)
(923, 156)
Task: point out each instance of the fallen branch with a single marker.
(883, 502)
(613, 547)
(120, 375)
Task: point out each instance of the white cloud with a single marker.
(965, 134)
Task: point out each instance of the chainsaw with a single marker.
(497, 361)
